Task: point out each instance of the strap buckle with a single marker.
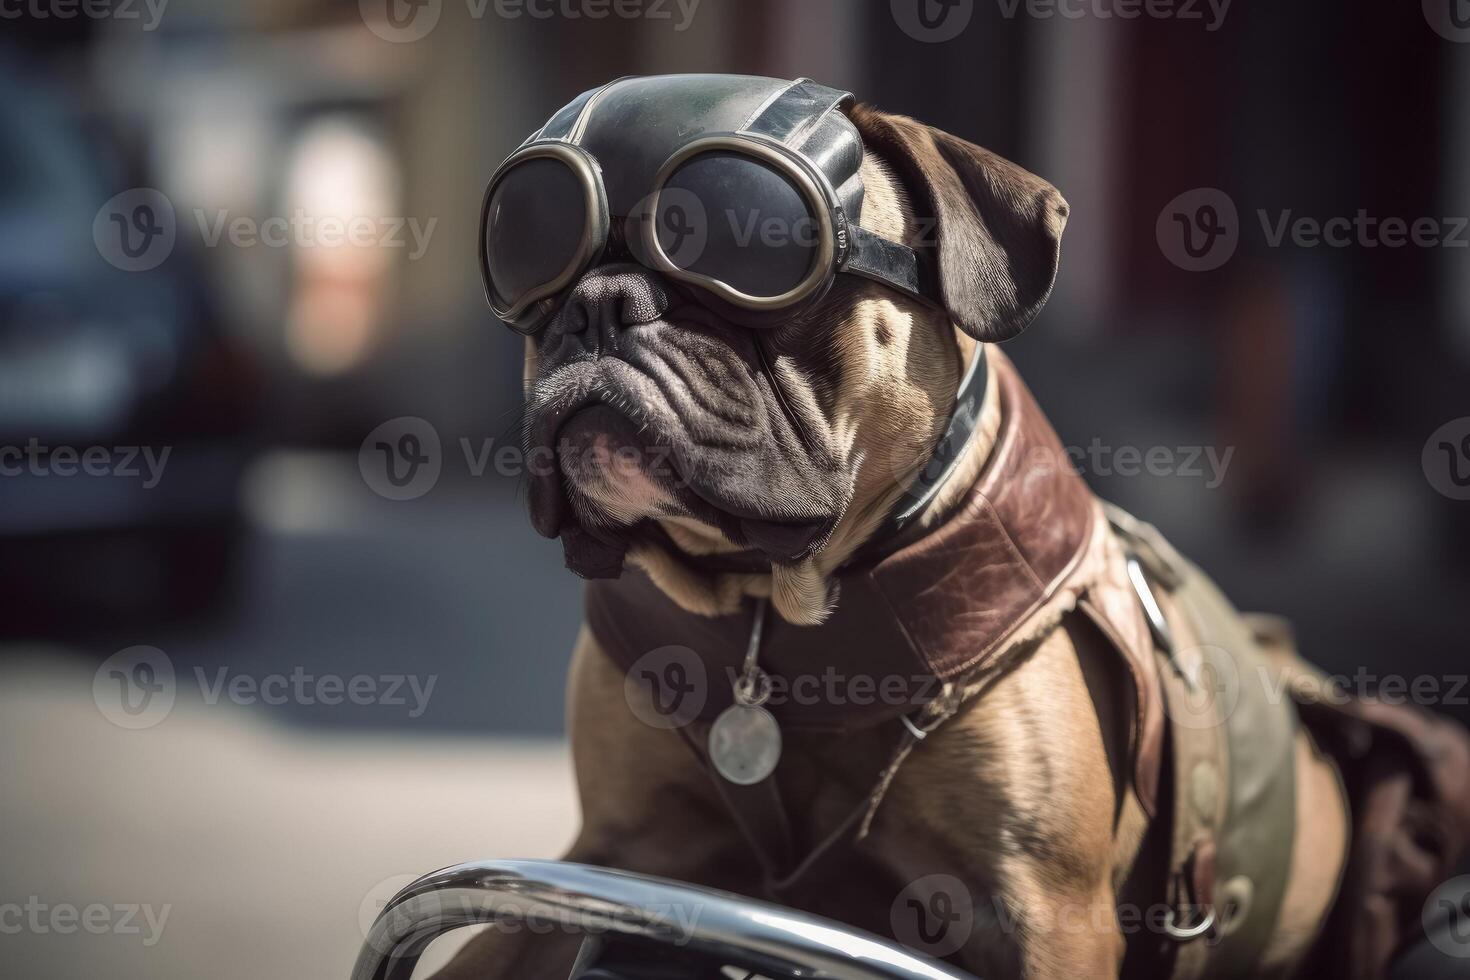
(1184, 934)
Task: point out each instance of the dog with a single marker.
(1036, 772)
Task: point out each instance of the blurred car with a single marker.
(125, 413)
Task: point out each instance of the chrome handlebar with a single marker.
(613, 908)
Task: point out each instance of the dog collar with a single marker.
(963, 420)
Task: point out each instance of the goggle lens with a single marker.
(534, 226)
(738, 221)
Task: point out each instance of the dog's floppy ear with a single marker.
(994, 228)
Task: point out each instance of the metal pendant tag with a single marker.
(745, 744)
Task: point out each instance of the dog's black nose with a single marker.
(610, 298)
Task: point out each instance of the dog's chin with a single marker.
(618, 481)
(612, 478)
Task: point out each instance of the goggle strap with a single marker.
(898, 266)
(794, 110)
(567, 125)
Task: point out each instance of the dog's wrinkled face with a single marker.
(658, 408)
(668, 422)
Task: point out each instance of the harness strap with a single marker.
(1198, 750)
(761, 815)
(794, 109)
(763, 819)
(1232, 742)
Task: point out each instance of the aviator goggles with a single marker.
(751, 217)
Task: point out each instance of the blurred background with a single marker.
(237, 257)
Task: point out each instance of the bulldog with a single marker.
(858, 637)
